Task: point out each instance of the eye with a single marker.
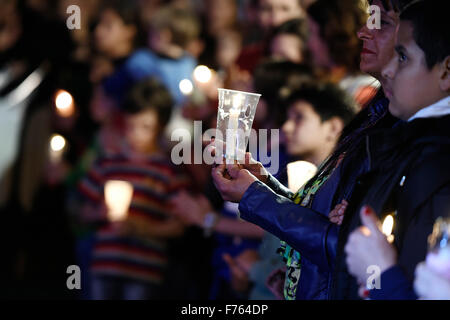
(402, 57)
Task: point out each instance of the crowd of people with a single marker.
(81, 107)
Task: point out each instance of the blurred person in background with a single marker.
(129, 257)
(271, 14)
(31, 66)
(289, 41)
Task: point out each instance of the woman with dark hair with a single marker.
(307, 227)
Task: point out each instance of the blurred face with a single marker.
(221, 15)
(317, 46)
(141, 130)
(287, 47)
(304, 131)
(101, 106)
(10, 26)
(112, 34)
(408, 83)
(273, 13)
(378, 44)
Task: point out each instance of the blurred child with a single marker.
(289, 42)
(129, 257)
(171, 32)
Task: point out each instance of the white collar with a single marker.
(439, 109)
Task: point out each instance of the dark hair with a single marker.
(295, 27)
(273, 78)
(149, 94)
(339, 22)
(327, 99)
(182, 24)
(128, 11)
(396, 5)
(431, 28)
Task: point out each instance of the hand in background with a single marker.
(429, 285)
(368, 246)
(337, 214)
(189, 209)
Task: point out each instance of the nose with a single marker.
(287, 127)
(389, 70)
(364, 33)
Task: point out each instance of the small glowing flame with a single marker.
(186, 87)
(388, 226)
(57, 143)
(202, 74)
(64, 104)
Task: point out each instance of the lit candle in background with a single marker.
(202, 74)
(186, 87)
(118, 195)
(57, 147)
(388, 226)
(299, 173)
(64, 103)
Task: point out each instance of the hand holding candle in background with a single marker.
(368, 246)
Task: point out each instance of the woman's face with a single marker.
(378, 44)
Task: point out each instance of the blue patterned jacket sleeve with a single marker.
(307, 231)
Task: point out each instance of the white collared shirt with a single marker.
(439, 109)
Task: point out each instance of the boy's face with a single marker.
(305, 133)
(112, 32)
(407, 82)
(287, 47)
(141, 131)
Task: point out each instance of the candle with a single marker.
(388, 226)
(202, 74)
(57, 146)
(299, 173)
(65, 106)
(232, 133)
(186, 87)
(118, 195)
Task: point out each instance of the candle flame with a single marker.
(186, 87)
(57, 143)
(64, 104)
(202, 74)
(388, 225)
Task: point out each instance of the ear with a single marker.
(336, 126)
(444, 75)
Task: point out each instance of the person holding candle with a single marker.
(335, 181)
(409, 174)
(368, 246)
(130, 256)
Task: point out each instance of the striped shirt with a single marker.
(154, 180)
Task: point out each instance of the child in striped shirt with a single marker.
(129, 257)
